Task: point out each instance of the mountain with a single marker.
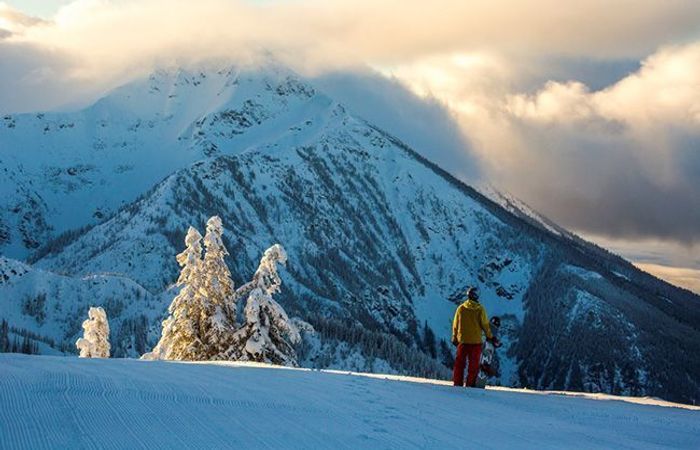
(63, 171)
(382, 243)
(77, 403)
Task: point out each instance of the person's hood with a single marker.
(471, 304)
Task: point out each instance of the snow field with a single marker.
(56, 402)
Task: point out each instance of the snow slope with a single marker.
(54, 402)
(53, 306)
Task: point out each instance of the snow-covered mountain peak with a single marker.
(193, 94)
(68, 170)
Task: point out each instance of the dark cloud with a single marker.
(595, 73)
(606, 183)
(35, 78)
(625, 206)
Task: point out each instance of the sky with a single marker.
(588, 112)
(39, 8)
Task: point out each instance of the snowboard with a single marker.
(487, 365)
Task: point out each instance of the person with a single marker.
(469, 323)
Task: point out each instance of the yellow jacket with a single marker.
(470, 320)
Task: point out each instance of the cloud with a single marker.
(680, 276)
(664, 88)
(34, 78)
(112, 34)
(621, 159)
(12, 20)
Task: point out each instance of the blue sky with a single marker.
(47, 8)
(40, 8)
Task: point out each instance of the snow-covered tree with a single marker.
(267, 335)
(4, 336)
(202, 324)
(182, 336)
(220, 305)
(95, 340)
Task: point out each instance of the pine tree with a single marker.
(4, 337)
(95, 340)
(202, 318)
(182, 338)
(429, 340)
(267, 335)
(26, 345)
(446, 354)
(220, 305)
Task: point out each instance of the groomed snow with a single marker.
(57, 402)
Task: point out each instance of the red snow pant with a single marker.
(464, 351)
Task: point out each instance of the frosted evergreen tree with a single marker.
(182, 336)
(220, 304)
(267, 335)
(4, 336)
(202, 318)
(95, 340)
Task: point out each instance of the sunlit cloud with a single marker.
(680, 276)
(13, 21)
(342, 31)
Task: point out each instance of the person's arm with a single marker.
(485, 324)
(454, 326)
